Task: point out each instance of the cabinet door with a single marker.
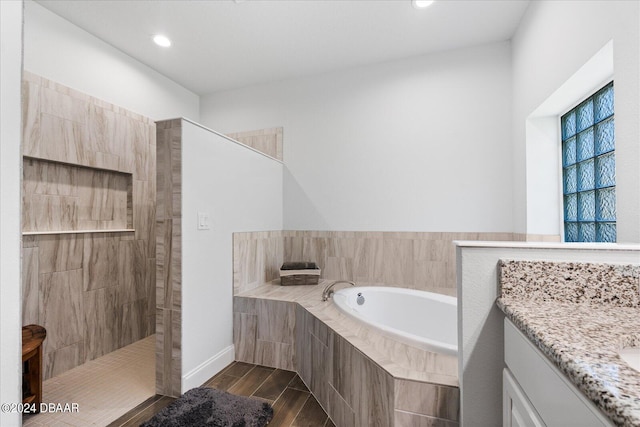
(517, 411)
(557, 401)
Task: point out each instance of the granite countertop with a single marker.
(580, 316)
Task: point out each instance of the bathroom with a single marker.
(365, 147)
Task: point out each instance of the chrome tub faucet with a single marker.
(328, 291)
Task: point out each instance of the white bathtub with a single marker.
(420, 319)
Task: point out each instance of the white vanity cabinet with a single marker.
(517, 410)
(536, 393)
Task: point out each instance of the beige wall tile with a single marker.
(60, 253)
(369, 255)
(162, 377)
(407, 419)
(319, 330)
(257, 258)
(275, 354)
(84, 292)
(61, 308)
(102, 315)
(293, 248)
(302, 355)
(168, 251)
(267, 141)
(133, 277)
(430, 274)
(54, 179)
(47, 213)
(31, 126)
(397, 262)
(61, 139)
(101, 130)
(339, 269)
(321, 366)
(427, 399)
(176, 265)
(61, 360)
(375, 394)
(176, 353)
(151, 295)
(245, 336)
(346, 371)
(100, 261)
(340, 412)
(315, 249)
(276, 321)
(58, 104)
(30, 287)
(29, 241)
(133, 322)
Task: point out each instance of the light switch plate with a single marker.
(203, 221)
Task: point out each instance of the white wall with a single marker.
(420, 144)
(10, 178)
(554, 40)
(241, 190)
(60, 51)
(480, 321)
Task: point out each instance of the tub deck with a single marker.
(358, 375)
(401, 361)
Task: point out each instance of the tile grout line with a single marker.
(285, 389)
(260, 385)
(301, 406)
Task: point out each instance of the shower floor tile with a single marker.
(104, 388)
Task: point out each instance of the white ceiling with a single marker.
(224, 44)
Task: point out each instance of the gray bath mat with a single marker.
(208, 407)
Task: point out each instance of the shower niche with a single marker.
(61, 198)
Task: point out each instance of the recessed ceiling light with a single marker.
(161, 40)
(421, 4)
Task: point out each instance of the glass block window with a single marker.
(589, 170)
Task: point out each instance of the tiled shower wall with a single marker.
(88, 174)
(417, 260)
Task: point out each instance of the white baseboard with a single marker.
(196, 377)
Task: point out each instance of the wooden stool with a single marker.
(32, 338)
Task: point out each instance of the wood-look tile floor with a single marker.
(293, 404)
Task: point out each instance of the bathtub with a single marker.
(420, 319)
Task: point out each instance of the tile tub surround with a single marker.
(583, 333)
(88, 171)
(415, 260)
(267, 141)
(359, 376)
(257, 257)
